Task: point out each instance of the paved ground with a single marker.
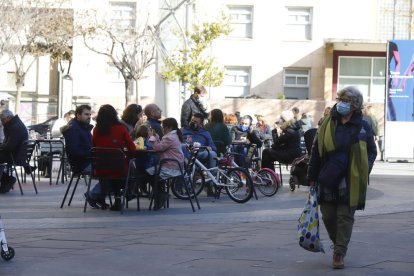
(223, 238)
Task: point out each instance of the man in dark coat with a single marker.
(193, 106)
(153, 113)
(78, 142)
(15, 135)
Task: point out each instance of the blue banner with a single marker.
(400, 81)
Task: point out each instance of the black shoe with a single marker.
(7, 182)
(102, 205)
(160, 200)
(117, 205)
(92, 203)
(29, 169)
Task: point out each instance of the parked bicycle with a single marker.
(235, 181)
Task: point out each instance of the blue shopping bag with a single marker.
(308, 226)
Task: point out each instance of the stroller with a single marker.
(7, 252)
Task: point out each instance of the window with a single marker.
(123, 15)
(298, 24)
(241, 21)
(237, 81)
(296, 83)
(366, 73)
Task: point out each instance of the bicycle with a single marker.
(235, 180)
(266, 180)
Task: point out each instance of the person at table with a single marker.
(264, 131)
(286, 146)
(78, 144)
(245, 133)
(168, 147)
(131, 115)
(219, 131)
(109, 132)
(15, 134)
(195, 132)
(61, 122)
(153, 114)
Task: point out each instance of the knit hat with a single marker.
(287, 115)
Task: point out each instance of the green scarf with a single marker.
(358, 163)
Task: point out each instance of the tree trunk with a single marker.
(127, 87)
(137, 95)
(18, 98)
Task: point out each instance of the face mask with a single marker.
(244, 128)
(343, 108)
(193, 126)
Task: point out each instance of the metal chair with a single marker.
(26, 150)
(78, 174)
(109, 164)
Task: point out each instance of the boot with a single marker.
(338, 261)
(117, 204)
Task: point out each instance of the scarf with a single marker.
(357, 174)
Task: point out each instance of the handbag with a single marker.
(308, 225)
(333, 169)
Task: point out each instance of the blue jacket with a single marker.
(201, 136)
(78, 142)
(156, 126)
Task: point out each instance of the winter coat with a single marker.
(287, 144)
(219, 133)
(15, 134)
(118, 137)
(189, 108)
(156, 126)
(78, 143)
(169, 147)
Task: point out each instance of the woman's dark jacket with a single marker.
(15, 134)
(287, 144)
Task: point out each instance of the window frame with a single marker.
(299, 11)
(247, 23)
(246, 87)
(117, 15)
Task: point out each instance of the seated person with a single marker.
(246, 133)
(61, 122)
(195, 132)
(287, 146)
(143, 160)
(264, 131)
(111, 133)
(169, 147)
(218, 131)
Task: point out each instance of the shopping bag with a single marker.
(308, 226)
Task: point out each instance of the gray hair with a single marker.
(357, 100)
(6, 114)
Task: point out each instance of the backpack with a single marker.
(298, 172)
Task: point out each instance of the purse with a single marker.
(308, 225)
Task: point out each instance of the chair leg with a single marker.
(18, 180)
(67, 191)
(87, 192)
(74, 189)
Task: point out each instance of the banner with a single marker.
(399, 111)
(400, 92)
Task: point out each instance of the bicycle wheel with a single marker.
(238, 184)
(178, 189)
(266, 182)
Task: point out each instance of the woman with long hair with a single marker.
(218, 130)
(110, 133)
(131, 115)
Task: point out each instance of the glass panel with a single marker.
(302, 81)
(377, 90)
(296, 72)
(354, 66)
(379, 67)
(290, 80)
(362, 84)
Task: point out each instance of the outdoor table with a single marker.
(54, 146)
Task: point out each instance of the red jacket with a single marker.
(118, 138)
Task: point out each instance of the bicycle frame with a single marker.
(214, 179)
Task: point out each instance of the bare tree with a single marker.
(33, 28)
(130, 49)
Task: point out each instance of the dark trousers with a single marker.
(338, 220)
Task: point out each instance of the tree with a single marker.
(191, 65)
(33, 28)
(129, 48)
